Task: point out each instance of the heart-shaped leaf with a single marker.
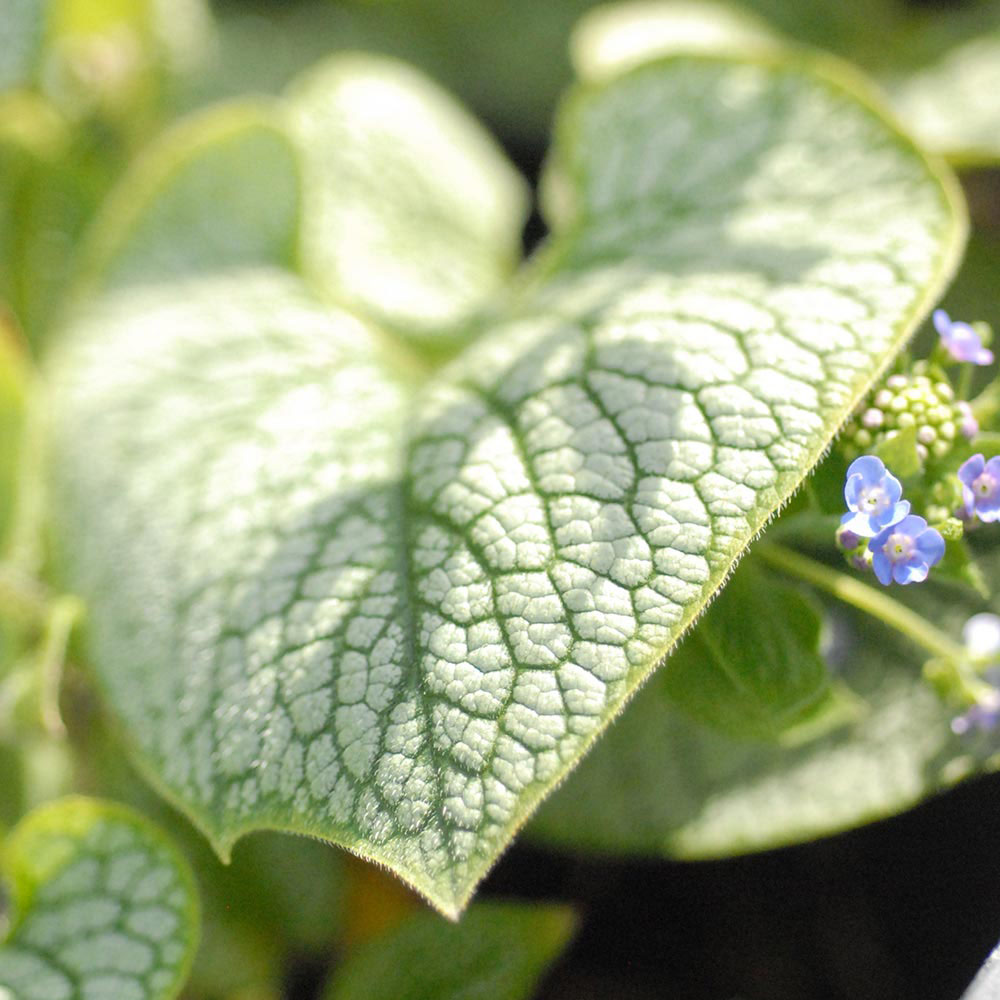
(333, 595)
(103, 907)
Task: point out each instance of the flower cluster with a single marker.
(916, 401)
(900, 545)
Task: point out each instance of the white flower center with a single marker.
(899, 547)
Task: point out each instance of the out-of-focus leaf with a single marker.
(13, 387)
(951, 104)
(395, 616)
(22, 28)
(752, 666)
(496, 952)
(195, 203)
(103, 907)
(661, 784)
(615, 37)
(669, 786)
(412, 213)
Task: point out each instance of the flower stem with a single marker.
(22, 596)
(867, 599)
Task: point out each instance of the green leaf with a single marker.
(899, 452)
(660, 783)
(193, 204)
(22, 28)
(497, 952)
(752, 667)
(619, 36)
(13, 388)
(947, 101)
(328, 599)
(102, 907)
(431, 234)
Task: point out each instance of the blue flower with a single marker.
(960, 340)
(981, 487)
(872, 495)
(981, 636)
(983, 715)
(905, 552)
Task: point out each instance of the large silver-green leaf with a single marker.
(497, 952)
(327, 599)
(103, 907)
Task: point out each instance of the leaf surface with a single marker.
(103, 907)
(391, 609)
(497, 952)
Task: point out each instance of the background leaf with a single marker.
(21, 32)
(752, 667)
(428, 235)
(497, 952)
(670, 786)
(102, 907)
(395, 616)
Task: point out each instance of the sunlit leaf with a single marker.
(103, 907)
(334, 594)
(950, 103)
(618, 36)
(424, 239)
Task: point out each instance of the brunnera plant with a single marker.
(361, 529)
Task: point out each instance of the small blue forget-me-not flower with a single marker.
(960, 340)
(905, 551)
(981, 636)
(981, 487)
(872, 495)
